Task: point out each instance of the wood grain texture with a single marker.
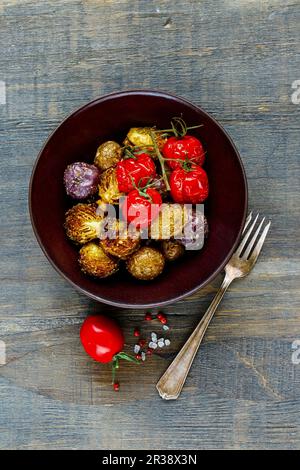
(237, 59)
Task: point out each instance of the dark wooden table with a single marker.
(238, 59)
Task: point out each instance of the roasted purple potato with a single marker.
(81, 180)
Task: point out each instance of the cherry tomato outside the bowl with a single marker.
(103, 340)
(135, 172)
(141, 207)
(189, 185)
(186, 148)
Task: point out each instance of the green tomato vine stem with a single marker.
(115, 362)
(179, 127)
(161, 161)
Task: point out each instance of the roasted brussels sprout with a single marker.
(146, 263)
(108, 187)
(82, 223)
(81, 180)
(172, 249)
(170, 222)
(95, 262)
(108, 154)
(140, 137)
(122, 244)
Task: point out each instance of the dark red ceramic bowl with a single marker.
(109, 118)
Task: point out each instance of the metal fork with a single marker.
(242, 261)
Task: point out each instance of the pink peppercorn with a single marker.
(136, 332)
(162, 318)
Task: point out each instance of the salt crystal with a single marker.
(167, 342)
(136, 348)
(154, 337)
(143, 356)
(165, 327)
(152, 345)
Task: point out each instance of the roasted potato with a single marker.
(108, 187)
(95, 262)
(123, 244)
(146, 263)
(140, 137)
(172, 249)
(108, 155)
(170, 222)
(82, 224)
(160, 186)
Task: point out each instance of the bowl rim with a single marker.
(149, 92)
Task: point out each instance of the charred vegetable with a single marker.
(82, 223)
(135, 171)
(108, 155)
(146, 263)
(172, 249)
(119, 242)
(108, 187)
(195, 231)
(81, 180)
(141, 207)
(141, 137)
(95, 262)
(170, 222)
(159, 184)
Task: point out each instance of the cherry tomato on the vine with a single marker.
(189, 185)
(140, 207)
(135, 171)
(183, 148)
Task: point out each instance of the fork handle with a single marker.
(171, 383)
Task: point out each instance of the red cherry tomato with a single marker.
(141, 207)
(189, 185)
(135, 171)
(184, 148)
(101, 337)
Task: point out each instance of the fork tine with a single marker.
(260, 243)
(244, 241)
(252, 241)
(248, 220)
